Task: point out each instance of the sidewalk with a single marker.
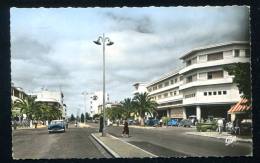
(216, 135)
(120, 148)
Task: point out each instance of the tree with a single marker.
(95, 116)
(128, 107)
(144, 104)
(115, 113)
(82, 117)
(242, 77)
(27, 106)
(87, 115)
(72, 117)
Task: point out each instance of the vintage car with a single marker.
(173, 122)
(185, 123)
(57, 126)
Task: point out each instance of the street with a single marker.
(172, 141)
(77, 143)
(74, 143)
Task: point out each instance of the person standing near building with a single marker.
(220, 125)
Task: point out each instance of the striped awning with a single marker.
(240, 107)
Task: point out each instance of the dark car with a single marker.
(185, 123)
(152, 122)
(246, 127)
(57, 126)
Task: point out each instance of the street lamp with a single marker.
(104, 41)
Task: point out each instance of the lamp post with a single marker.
(104, 41)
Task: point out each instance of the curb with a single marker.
(238, 140)
(153, 155)
(114, 154)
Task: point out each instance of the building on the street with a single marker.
(95, 100)
(16, 94)
(52, 98)
(140, 87)
(108, 105)
(240, 110)
(201, 87)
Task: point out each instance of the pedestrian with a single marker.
(125, 130)
(220, 125)
(161, 122)
(101, 125)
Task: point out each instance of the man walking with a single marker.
(220, 125)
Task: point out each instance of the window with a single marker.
(205, 93)
(165, 95)
(188, 62)
(224, 92)
(172, 81)
(159, 96)
(215, 56)
(236, 53)
(166, 83)
(189, 79)
(150, 89)
(176, 80)
(215, 74)
(171, 93)
(175, 93)
(154, 88)
(181, 78)
(219, 92)
(247, 53)
(160, 86)
(214, 93)
(210, 93)
(190, 95)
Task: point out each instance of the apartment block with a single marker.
(202, 87)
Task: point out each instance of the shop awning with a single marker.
(240, 107)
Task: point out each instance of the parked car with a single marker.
(185, 123)
(173, 122)
(246, 127)
(56, 126)
(212, 126)
(152, 122)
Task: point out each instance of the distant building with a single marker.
(140, 87)
(16, 94)
(95, 100)
(52, 98)
(202, 87)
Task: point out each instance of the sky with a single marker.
(53, 47)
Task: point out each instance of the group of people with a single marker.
(232, 127)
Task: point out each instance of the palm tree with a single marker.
(144, 104)
(128, 106)
(27, 106)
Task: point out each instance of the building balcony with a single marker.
(172, 86)
(213, 63)
(169, 99)
(206, 82)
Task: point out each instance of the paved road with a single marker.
(172, 141)
(74, 143)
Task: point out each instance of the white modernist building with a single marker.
(202, 87)
(53, 98)
(95, 100)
